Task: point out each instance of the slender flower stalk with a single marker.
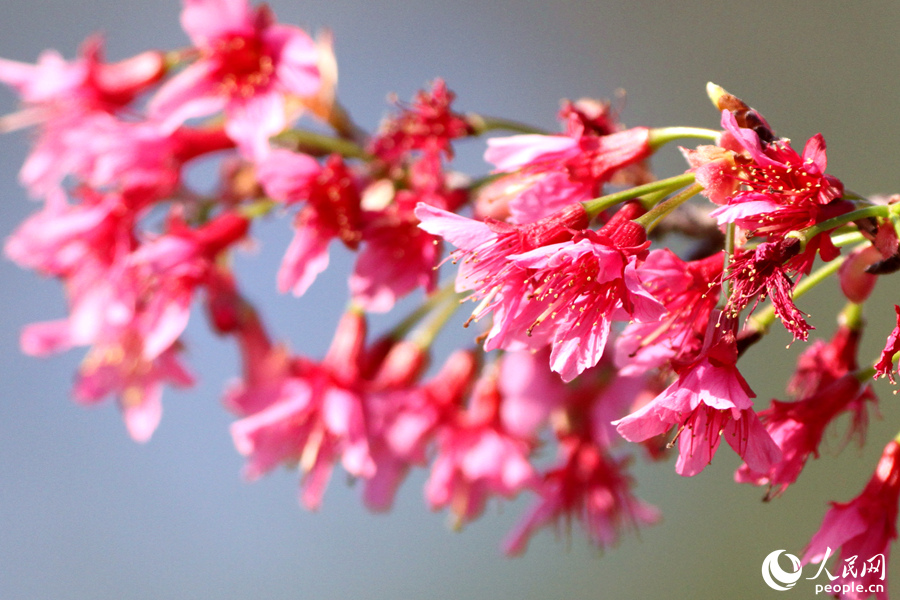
(598, 205)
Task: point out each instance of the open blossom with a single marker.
(709, 401)
(553, 171)
(885, 365)
(247, 65)
(541, 290)
(69, 100)
(825, 386)
(863, 529)
(484, 248)
(577, 289)
(783, 191)
(316, 418)
(689, 291)
(123, 371)
(590, 486)
(477, 458)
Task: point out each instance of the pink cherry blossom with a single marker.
(885, 365)
(558, 170)
(863, 529)
(477, 458)
(247, 65)
(589, 486)
(689, 291)
(404, 421)
(316, 419)
(709, 401)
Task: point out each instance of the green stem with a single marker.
(651, 218)
(424, 336)
(846, 239)
(258, 208)
(482, 124)
(317, 143)
(805, 235)
(764, 318)
(648, 201)
(477, 184)
(664, 135)
(729, 254)
(406, 325)
(851, 316)
(597, 205)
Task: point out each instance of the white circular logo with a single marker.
(777, 578)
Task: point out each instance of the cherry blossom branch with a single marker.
(482, 124)
(664, 135)
(317, 144)
(598, 205)
(659, 212)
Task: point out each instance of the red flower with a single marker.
(863, 529)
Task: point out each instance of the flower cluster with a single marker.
(589, 331)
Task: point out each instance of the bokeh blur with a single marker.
(85, 513)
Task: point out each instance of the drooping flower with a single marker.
(405, 420)
(331, 211)
(590, 486)
(248, 65)
(709, 401)
(762, 272)
(130, 304)
(885, 365)
(825, 386)
(121, 368)
(477, 458)
(863, 529)
(797, 428)
(316, 419)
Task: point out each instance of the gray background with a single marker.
(85, 513)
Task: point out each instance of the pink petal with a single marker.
(142, 418)
(306, 257)
(205, 20)
(461, 232)
(252, 121)
(191, 93)
(296, 67)
(510, 153)
(41, 339)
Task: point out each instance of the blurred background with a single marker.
(85, 513)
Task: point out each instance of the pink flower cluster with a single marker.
(590, 330)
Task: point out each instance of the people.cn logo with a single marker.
(776, 577)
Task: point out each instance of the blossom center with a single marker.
(243, 66)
